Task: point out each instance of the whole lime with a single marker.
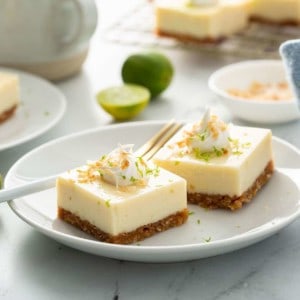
(152, 70)
(125, 101)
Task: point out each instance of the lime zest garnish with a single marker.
(132, 179)
(207, 240)
(138, 169)
(103, 157)
(237, 146)
(107, 202)
(154, 172)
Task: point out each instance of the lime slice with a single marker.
(124, 102)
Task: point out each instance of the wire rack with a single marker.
(257, 41)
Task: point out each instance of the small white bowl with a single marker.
(241, 76)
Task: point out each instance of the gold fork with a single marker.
(151, 147)
(147, 151)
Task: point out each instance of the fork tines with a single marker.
(151, 147)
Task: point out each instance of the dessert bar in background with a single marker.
(9, 95)
(280, 12)
(202, 22)
(214, 20)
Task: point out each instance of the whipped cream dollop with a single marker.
(205, 139)
(122, 168)
(209, 134)
(201, 2)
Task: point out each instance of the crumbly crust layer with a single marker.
(235, 202)
(188, 38)
(7, 114)
(127, 237)
(271, 22)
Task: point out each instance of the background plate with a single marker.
(207, 232)
(42, 106)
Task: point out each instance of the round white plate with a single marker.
(207, 232)
(42, 106)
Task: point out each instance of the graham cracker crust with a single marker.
(235, 202)
(7, 114)
(127, 237)
(188, 38)
(270, 22)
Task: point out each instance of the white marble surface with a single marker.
(35, 267)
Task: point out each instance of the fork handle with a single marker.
(27, 188)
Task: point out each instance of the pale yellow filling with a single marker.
(9, 92)
(115, 211)
(220, 20)
(230, 174)
(276, 10)
(213, 21)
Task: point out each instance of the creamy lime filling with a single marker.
(230, 174)
(201, 2)
(121, 210)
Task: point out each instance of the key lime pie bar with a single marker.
(276, 11)
(224, 165)
(200, 20)
(121, 199)
(9, 95)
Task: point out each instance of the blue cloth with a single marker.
(290, 53)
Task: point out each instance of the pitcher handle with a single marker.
(84, 24)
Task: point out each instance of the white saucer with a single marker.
(42, 106)
(207, 232)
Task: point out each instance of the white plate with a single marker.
(42, 106)
(219, 231)
(240, 76)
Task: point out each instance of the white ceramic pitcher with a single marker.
(47, 37)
